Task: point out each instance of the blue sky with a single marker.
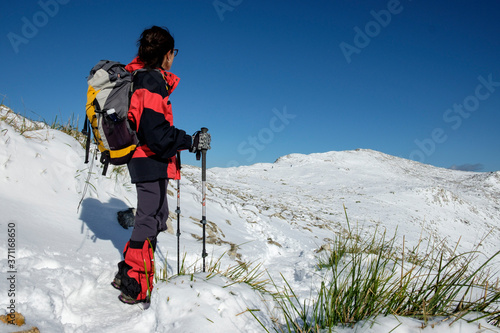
(414, 79)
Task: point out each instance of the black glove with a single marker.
(201, 141)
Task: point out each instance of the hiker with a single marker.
(154, 160)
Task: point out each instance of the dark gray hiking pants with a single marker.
(152, 211)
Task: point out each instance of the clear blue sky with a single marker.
(415, 79)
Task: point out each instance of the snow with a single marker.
(278, 215)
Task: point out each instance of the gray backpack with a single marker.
(108, 101)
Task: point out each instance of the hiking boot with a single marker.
(130, 300)
(117, 282)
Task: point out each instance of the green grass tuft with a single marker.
(367, 278)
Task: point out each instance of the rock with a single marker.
(13, 318)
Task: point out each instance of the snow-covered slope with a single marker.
(276, 214)
(308, 191)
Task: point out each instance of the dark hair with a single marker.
(154, 43)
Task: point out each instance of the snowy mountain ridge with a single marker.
(279, 214)
(376, 188)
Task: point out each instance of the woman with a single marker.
(154, 160)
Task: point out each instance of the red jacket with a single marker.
(150, 114)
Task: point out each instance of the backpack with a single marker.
(108, 100)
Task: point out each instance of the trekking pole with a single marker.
(204, 197)
(178, 211)
(204, 144)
